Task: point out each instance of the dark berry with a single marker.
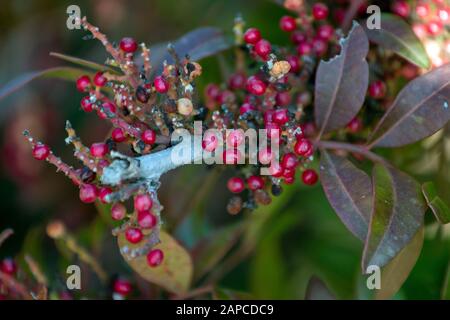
(106, 109)
(276, 189)
(142, 94)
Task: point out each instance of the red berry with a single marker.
(99, 79)
(161, 84)
(325, 32)
(287, 23)
(236, 185)
(304, 148)
(231, 156)
(237, 81)
(86, 104)
(148, 136)
(294, 61)
(133, 235)
(41, 151)
(118, 135)
(252, 36)
(281, 116)
(309, 177)
(8, 266)
(155, 257)
(298, 37)
(434, 27)
(118, 211)
(288, 173)
(128, 45)
(256, 86)
(273, 131)
(246, 107)
(422, 10)
(289, 161)
(83, 83)
(225, 96)
(98, 150)
(212, 91)
(283, 98)
(289, 180)
(263, 48)
(210, 141)
(377, 89)
(88, 193)
(320, 11)
(304, 48)
(276, 170)
(103, 192)
(122, 286)
(107, 108)
(355, 125)
(235, 138)
(401, 8)
(255, 183)
(146, 220)
(143, 202)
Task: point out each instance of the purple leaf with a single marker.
(349, 191)
(396, 35)
(341, 83)
(420, 109)
(397, 215)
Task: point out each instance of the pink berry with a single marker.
(255, 183)
(88, 193)
(237, 81)
(294, 61)
(256, 86)
(263, 48)
(236, 185)
(118, 135)
(118, 211)
(246, 107)
(99, 79)
(281, 116)
(86, 104)
(287, 23)
(128, 45)
(377, 89)
(83, 83)
(161, 84)
(320, 11)
(422, 10)
(276, 170)
(304, 148)
(309, 177)
(148, 136)
(41, 151)
(98, 150)
(298, 37)
(155, 257)
(401, 8)
(210, 141)
(252, 36)
(133, 235)
(212, 91)
(235, 138)
(142, 202)
(146, 219)
(289, 161)
(122, 287)
(434, 27)
(304, 48)
(103, 192)
(325, 32)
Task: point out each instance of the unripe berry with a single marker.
(155, 257)
(256, 86)
(86, 104)
(401, 8)
(148, 136)
(377, 89)
(236, 185)
(41, 151)
(320, 11)
(133, 235)
(143, 202)
(128, 45)
(246, 107)
(289, 161)
(252, 36)
(146, 220)
(304, 148)
(83, 83)
(103, 192)
(88, 193)
(287, 23)
(237, 81)
(122, 287)
(118, 211)
(161, 85)
(107, 107)
(8, 266)
(309, 177)
(281, 116)
(99, 79)
(255, 183)
(118, 135)
(263, 48)
(98, 150)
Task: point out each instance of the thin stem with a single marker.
(363, 150)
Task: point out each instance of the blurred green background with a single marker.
(282, 245)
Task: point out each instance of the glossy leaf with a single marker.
(81, 62)
(420, 109)
(175, 272)
(435, 203)
(349, 191)
(397, 215)
(198, 44)
(64, 73)
(395, 273)
(396, 35)
(341, 83)
(317, 290)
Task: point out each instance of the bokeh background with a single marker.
(270, 253)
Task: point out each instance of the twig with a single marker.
(363, 150)
(36, 271)
(5, 235)
(16, 286)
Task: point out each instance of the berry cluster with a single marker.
(8, 267)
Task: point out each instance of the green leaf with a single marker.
(349, 191)
(84, 63)
(396, 35)
(228, 294)
(397, 215)
(341, 83)
(175, 272)
(420, 109)
(64, 73)
(437, 205)
(318, 290)
(395, 273)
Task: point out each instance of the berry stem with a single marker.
(363, 150)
